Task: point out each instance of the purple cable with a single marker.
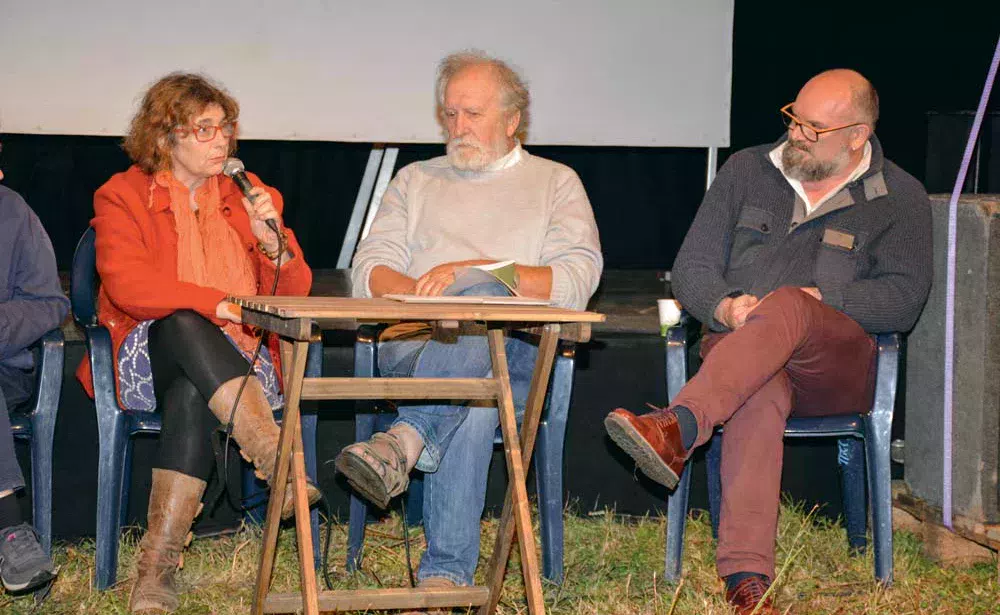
(949, 306)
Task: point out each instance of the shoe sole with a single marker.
(41, 578)
(635, 446)
(362, 479)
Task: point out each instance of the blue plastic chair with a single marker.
(39, 427)
(863, 437)
(117, 425)
(548, 456)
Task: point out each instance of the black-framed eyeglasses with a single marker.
(207, 133)
(810, 132)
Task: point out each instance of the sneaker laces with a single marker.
(661, 417)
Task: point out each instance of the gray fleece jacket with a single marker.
(868, 249)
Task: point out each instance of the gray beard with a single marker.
(799, 166)
(481, 157)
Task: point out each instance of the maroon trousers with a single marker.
(795, 355)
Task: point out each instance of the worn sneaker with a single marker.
(376, 469)
(24, 566)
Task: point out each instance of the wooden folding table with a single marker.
(298, 321)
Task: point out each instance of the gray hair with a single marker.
(865, 101)
(514, 94)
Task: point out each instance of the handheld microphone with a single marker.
(234, 169)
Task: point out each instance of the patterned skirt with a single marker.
(135, 374)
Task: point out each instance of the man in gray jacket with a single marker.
(31, 303)
(800, 249)
(487, 200)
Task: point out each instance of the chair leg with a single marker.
(879, 485)
(850, 460)
(713, 466)
(549, 484)
(676, 369)
(42, 432)
(43, 428)
(549, 466)
(112, 488)
(677, 508)
(415, 499)
(364, 427)
(126, 483)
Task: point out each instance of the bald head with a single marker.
(832, 119)
(845, 94)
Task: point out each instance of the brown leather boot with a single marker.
(747, 598)
(174, 502)
(256, 433)
(653, 440)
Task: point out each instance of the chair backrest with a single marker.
(84, 281)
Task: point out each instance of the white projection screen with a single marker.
(601, 72)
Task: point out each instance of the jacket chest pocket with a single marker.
(752, 231)
(838, 256)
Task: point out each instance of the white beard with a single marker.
(467, 154)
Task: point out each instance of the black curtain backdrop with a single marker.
(930, 59)
(643, 198)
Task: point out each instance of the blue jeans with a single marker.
(458, 443)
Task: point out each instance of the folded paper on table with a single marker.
(474, 275)
(468, 300)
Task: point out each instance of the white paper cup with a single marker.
(670, 313)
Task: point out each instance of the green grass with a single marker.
(614, 566)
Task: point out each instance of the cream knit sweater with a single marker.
(536, 212)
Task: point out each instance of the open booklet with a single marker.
(473, 275)
(467, 277)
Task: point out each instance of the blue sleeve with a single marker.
(33, 301)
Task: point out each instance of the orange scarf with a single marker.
(209, 250)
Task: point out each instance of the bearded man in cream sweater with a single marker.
(487, 200)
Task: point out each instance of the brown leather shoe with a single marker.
(653, 440)
(747, 594)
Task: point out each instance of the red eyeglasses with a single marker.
(206, 133)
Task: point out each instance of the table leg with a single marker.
(529, 430)
(303, 525)
(285, 349)
(516, 503)
(289, 429)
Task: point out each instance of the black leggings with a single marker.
(190, 358)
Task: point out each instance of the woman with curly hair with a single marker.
(174, 238)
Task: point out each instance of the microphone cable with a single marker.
(220, 447)
(328, 538)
